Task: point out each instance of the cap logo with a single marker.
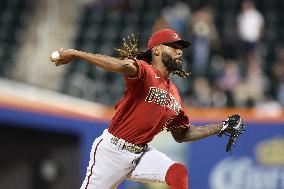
(176, 36)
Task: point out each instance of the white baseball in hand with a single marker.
(55, 54)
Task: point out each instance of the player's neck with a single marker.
(161, 68)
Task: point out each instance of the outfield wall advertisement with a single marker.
(257, 162)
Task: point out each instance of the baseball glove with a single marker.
(232, 127)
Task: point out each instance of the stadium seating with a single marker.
(102, 30)
(13, 19)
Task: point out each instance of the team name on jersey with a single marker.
(163, 98)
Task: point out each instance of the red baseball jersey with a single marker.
(150, 104)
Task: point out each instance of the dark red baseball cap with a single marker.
(166, 36)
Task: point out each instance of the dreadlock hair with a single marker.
(181, 73)
(129, 48)
(146, 56)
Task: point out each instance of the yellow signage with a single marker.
(270, 152)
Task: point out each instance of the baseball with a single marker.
(55, 54)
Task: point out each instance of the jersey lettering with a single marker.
(161, 97)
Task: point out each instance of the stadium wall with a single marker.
(256, 162)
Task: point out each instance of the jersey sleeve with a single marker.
(141, 72)
(180, 121)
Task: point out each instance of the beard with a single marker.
(171, 64)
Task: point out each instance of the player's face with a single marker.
(172, 57)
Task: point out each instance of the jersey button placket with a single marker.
(168, 101)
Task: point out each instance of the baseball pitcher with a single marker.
(151, 103)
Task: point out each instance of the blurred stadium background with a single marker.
(50, 115)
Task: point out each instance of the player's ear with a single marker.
(156, 50)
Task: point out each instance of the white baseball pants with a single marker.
(109, 165)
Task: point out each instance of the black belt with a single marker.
(133, 148)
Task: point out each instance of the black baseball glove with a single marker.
(232, 127)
